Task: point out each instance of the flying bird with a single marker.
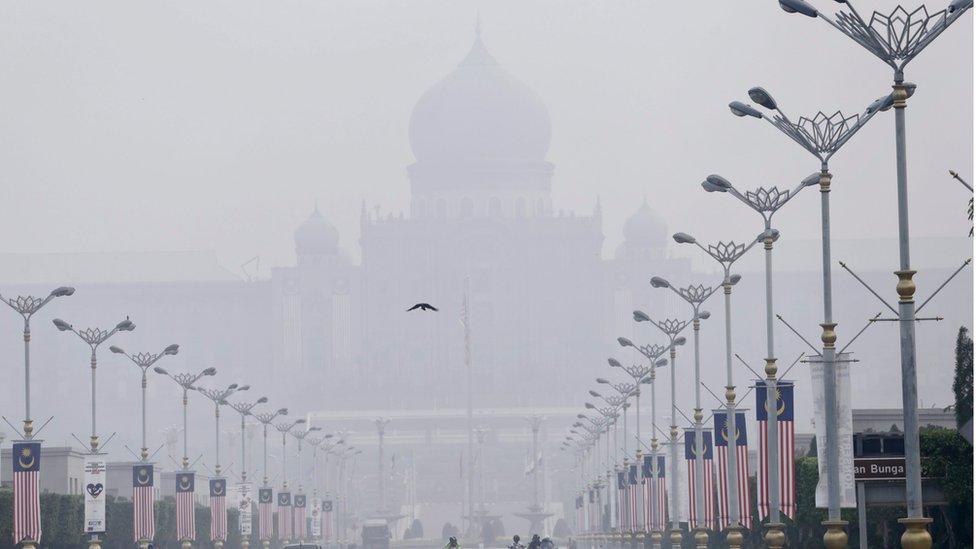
(422, 307)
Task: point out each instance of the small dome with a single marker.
(316, 236)
(645, 227)
(479, 112)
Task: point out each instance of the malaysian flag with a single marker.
(708, 520)
(218, 509)
(622, 514)
(632, 497)
(265, 513)
(143, 516)
(284, 516)
(186, 526)
(658, 491)
(785, 436)
(27, 501)
(742, 469)
(299, 529)
(592, 518)
(580, 518)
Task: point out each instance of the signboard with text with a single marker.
(879, 468)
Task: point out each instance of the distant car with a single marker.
(376, 534)
(302, 546)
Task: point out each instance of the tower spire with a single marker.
(477, 24)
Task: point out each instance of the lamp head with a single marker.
(589, 406)
(614, 363)
(798, 6)
(683, 238)
(659, 282)
(171, 349)
(116, 350)
(709, 187)
(680, 340)
(262, 400)
(594, 393)
(959, 5)
(125, 326)
(641, 316)
(624, 342)
(811, 180)
(244, 388)
(210, 371)
(719, 181)
(315, 429)
(232, 387)
(739, 108)
(282, 411)
(61, 325)
(160, 370)
(762, 97)
(645, 381)
(734, 279)
(603, 381)
(62, 291)
(300, 421)
(704, 315)
(661, 362)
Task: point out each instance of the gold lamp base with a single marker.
(775, 536)
(734, 537)
(676, 537)
(218, 544)
(186, 544)
(701, 538)
(656, 539)
(94, 542)
(266, 543)
(836, 536)
(916, 534)
(245, 543)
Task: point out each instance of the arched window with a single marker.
(520, 211)
(494, 207)
(467, 208)
(441, 208)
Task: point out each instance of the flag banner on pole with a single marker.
(580, 519)
(621, 489)
(632, 498)
(327, 513)
(591, 516)
(785, 434)
(143, 515)
(284, 516)
(27, 500)
(653, 491)
(244, 502)
(265, 513)
(660, 492)
(316, 514)
(708, 521)
(218, 509)
(742, 468)
(845, 429)
(299, 529)
(186, 525)
(94, 496)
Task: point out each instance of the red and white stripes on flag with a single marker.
(299, 530)
(27, 500)
(742, 469)
(786, 444)
(708, 521)
(632, 493)
(186, 526)
(580, 516)
(218, 509)
(654, 488)
(327, 519)
(284, 516)
(623, 515)
(143, 514)
(265, 513)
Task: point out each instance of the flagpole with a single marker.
(467, 363)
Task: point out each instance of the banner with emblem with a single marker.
(143, 515)
(218, 509)
(316, 515)
(327, 513)
(708, 482)
(94, 496)
(27, 494)
(265, 513)
(785, 434)
(722, 436)
(299, 529)
(244, 500)
(186, 525)
(284, 516)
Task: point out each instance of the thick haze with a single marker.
(216, 125)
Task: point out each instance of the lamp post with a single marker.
(671, 328)
(219, 397)
(244, 409)
(94, 337)
(265, 419)
(26, 306)
(727, 253)
(896, 38)
(145, 361)
(822, 136)
(185, 381)
(284, 429)
(695, 295)
(300, 435)
(766, 201)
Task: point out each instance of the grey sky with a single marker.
(216, 125)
